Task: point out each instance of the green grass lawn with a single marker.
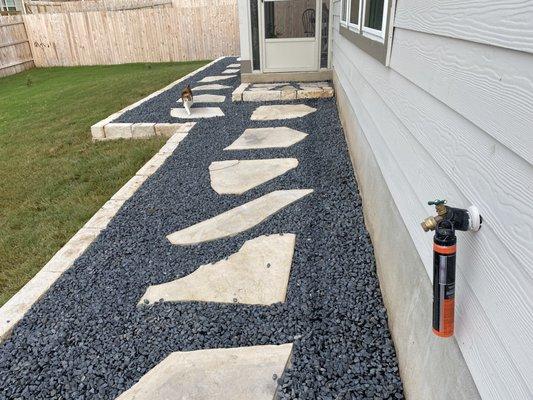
(53, 178)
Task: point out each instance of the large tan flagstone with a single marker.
(264, 138)
(281, 111)
(238, 219)
(241, 373)
(257, 274)
(215, 78)
(197, 112)
(214, 86)
(238, 176)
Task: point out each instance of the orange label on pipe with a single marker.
(444, 249)
(447, 319)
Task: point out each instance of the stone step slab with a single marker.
(281, 111)
(238, 219)
(214, 86)
(242, 373)
(257, 274)
(239, 176)
(197, 112)
(265, 138)
(216, 78)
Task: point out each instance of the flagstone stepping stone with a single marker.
(238, 176)
(241, 373)
(231, 71)
(215, 78)
(214, 86)
(281, 111)
(265, 138)
(257, 274)
(238, 219)
(207, 98)
(236, 65)
(197, 112)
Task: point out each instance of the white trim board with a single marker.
(16, 307)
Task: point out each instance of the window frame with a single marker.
(376, 43)
(346, 8)
(354, 27)
(371, 33)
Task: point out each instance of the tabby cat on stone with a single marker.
(187, 98)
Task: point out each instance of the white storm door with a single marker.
(290, 35)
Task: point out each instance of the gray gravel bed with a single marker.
(158, 108)
(86, 339)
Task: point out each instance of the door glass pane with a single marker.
(374, 14)
(290, 19)
(354, 12)
(255, 35)
(325, 35)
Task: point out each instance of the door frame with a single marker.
(317, 39)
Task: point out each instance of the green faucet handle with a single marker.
(436, 202)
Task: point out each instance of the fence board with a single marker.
(150, 35)
(48, 7)
(15, 51)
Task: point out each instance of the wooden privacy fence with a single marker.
(147, 35)
(15, 51)
(39, 7)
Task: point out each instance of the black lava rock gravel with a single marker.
(87, 339)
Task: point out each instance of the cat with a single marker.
(187, 98)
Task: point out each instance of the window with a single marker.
(290, 19)
(375, 17)
(354, 14)
(365, 23)
(373, 13)
(344, 12)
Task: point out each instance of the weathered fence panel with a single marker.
(40, 7)
(195, 32)
(15, 51)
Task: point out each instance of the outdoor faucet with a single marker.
(445, 223)
(461, 219)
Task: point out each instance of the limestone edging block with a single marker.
(169, 129)
(265, 138)
(239, 176)
(238, 219)
(143, 130)
(237, 93)
(215, 78)
(257, 274)
(241, 373)
(197, 112)
(261, 95)
(281, 111)
(118, 130)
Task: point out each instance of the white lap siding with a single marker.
(452, 117)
